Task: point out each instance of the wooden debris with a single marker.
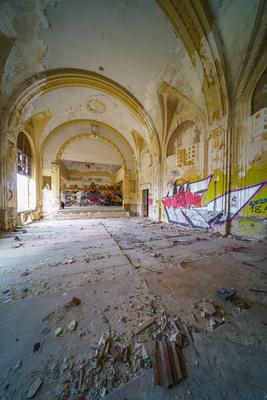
(75, 301)
(258, 291)
(121, 354)
(144, 325)
(168, 364)
(116, 355)
(190, 339)
(81, 377)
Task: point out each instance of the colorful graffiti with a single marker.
(259, 206)
(185, 203)
(96, 194)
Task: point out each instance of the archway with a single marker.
(90, 169)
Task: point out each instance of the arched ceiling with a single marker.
(108, 147)
(91, 150)
(235, 25)
(119, 39)
(130, 42)
(72, 103)
(137, 45)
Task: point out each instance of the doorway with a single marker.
(145, 194)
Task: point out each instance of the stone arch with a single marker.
(52, 134)
(55, 79)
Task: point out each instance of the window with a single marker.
(23, 164)
(26, 196)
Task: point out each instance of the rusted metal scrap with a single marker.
(169, 368)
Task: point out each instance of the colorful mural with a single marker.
(186, 203)
(96, 194)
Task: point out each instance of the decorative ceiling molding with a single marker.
(55, 79)
(96, 106)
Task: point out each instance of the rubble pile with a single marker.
(104, 309)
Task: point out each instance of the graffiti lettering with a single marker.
(258, 206)
(183, 204)
(258, 209)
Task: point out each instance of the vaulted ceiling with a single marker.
(104, 61)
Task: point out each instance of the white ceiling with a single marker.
(131, 40)
(92, 150)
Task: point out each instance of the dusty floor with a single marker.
(125, 272)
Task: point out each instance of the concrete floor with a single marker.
(126, 271)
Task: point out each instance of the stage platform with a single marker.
(93, 211)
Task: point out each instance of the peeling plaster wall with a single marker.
(83, 182)
(199, 197)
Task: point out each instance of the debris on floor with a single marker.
(128, 293)
(226, 294)
(58, 331)
(33, 389)
(75, 301)
(169, 367)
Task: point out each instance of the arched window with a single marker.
(24, 155)
(26, 190)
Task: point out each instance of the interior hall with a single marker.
(133, 199)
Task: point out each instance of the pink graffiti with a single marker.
(183, 200)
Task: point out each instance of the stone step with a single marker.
(71, 214)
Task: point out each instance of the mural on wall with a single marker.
(185, 203)
(94, 195)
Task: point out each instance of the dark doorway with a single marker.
(145, 202)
